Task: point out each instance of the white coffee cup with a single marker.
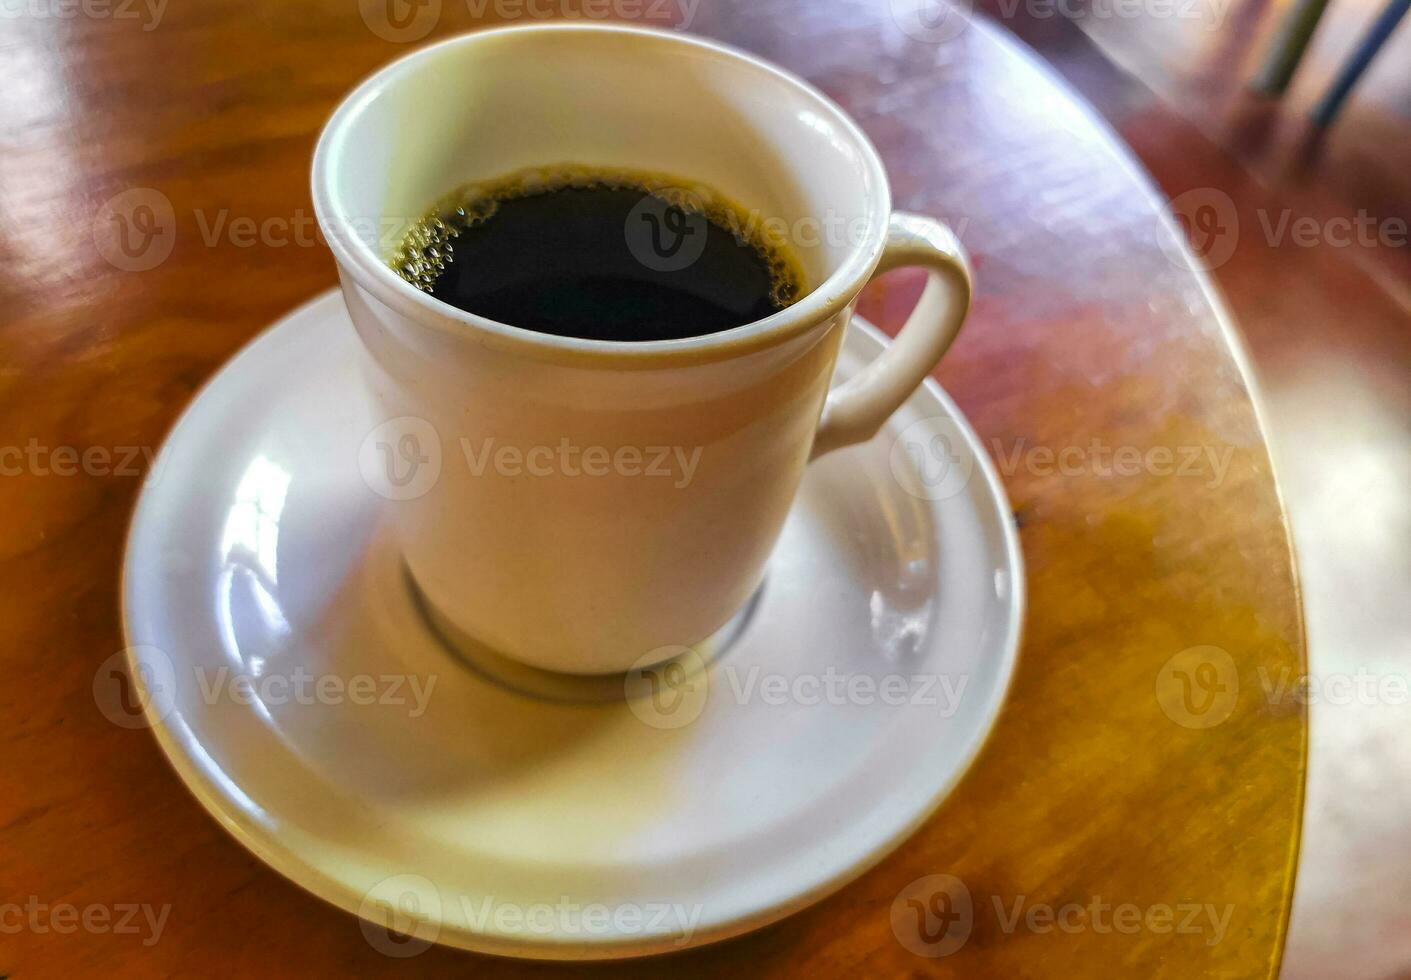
(534, 507)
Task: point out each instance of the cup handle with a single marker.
(856, 409)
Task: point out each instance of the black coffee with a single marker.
(600, 255)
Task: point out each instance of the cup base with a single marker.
(552, 685)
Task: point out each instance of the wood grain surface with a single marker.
(1136, 811)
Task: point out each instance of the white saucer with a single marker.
(507, 824)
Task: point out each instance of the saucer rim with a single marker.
(314, 881)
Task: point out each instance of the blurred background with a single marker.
(1273, 203)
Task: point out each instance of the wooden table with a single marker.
(1148, 769)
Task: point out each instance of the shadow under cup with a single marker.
(576, 574)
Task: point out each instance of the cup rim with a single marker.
(371, 273)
